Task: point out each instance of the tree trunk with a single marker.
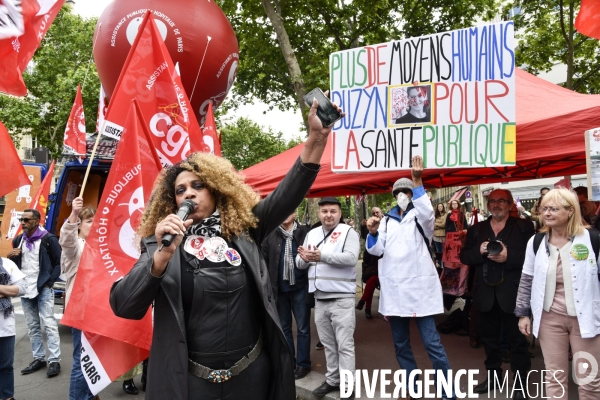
(313, 210)
(568, 36)
(288, 54)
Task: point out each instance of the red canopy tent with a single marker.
(550, 142)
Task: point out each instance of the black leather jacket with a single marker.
(271, 250)
(132, 296)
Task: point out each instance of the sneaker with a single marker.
(53, 369)
(319, 346)
(35, 365)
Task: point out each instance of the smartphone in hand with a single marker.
(326, 112)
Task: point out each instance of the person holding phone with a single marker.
(330, 253)
(216, 329)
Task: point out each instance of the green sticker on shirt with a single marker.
(580, 252)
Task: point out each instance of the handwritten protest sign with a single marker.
(449, 97)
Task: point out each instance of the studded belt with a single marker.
(223, 375)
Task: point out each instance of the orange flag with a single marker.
(149, 76)
(11, 169)
(113, 345)
(40, 200)
(75, 140)
(588, 19)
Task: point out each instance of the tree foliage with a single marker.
(547, 36)
(316, 28)
(59, 65)
(245, 143)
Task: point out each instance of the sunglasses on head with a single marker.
(26, 220)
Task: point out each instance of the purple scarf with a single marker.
(29, 240)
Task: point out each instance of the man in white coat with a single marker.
(330, 253)
(410, 287)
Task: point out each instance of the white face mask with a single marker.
(403, 201)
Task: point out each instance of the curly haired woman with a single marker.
(216, 330)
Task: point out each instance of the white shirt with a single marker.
(7, 325)
(584, 282)
(30, 266)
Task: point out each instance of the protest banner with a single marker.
(452, 247)
(19, 43)
(113, 345)
(449, 97)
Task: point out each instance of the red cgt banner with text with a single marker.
(16, 51)
(113, 345)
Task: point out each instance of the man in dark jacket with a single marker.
(37, 254)
(496, 249)
(290, 287)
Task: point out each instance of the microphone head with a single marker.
(189, 204)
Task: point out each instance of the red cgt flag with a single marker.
(75, 141)
(113, 345)
(209, 132)
(17, 51)
(150, 76)
(588, 19)
(11, 169)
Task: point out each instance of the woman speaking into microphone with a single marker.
(216, 330)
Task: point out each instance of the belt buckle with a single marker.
(219, 375)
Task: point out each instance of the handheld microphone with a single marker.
(185, 209)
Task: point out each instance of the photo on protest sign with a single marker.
(410, 104)
(449, 97)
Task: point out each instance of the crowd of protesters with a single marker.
(268, 270)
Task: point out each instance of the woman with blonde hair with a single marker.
(560, 289)
(216, 328)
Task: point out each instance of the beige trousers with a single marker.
(556, 332)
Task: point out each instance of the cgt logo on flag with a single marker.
(120, 212)
(135, 208)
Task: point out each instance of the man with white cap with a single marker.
(410, 287)
(330, 253)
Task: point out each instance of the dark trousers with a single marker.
(7, 356)
(490, 329)
(289, 303)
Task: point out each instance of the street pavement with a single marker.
(374, 350)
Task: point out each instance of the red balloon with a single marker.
(197, 34)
